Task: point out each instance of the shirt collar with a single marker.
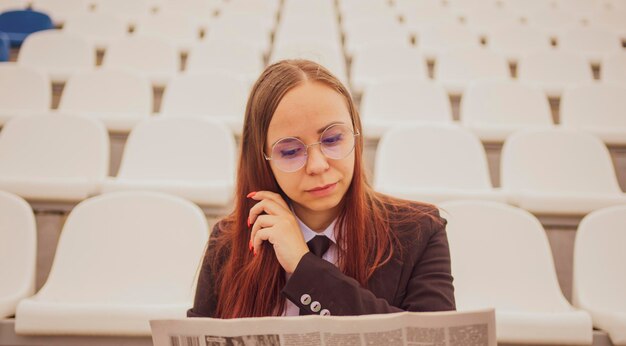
(308, 233)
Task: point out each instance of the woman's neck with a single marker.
(317, 221)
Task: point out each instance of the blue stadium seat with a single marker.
(5, 47)
(21, 23)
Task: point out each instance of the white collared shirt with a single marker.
(330, 255)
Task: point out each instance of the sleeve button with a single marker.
(305, 299)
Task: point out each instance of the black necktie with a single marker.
(318, 246)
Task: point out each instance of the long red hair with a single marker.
(250, 286)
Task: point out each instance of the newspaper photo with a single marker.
(468, 328)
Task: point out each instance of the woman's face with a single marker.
(304, 112)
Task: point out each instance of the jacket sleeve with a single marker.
(426, 284)
(205, 302)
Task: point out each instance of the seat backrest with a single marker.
(590, 39)
(205, 95)
(594, 106)
(445, 36)
(471, 64)
(504, 103)
(599, 278)
(170, 26)
(59, 146)
(107, 90)
(518, 39)
(18, 249)
(128, 11)
(500, 258)
(554, 66)
(128, 247)
(614, 68)
(56, 48)
(431, 156)
(226, 56)
(195, 150)
(61, 10)
(96, 26)
(24, 89)
(389, 61)
(406, 100)
(146, 54)
(557, 160)
(24, 21)
(10, 5)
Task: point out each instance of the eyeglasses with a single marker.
(290, 154)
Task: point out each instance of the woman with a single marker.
(301, 175)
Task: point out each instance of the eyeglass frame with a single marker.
(307, 146)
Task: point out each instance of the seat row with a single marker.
(68, 156)
(158, 241)
(67, 159)
(547, 172)
(493, 109)
(131, 12)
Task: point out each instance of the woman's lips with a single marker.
(322, 190)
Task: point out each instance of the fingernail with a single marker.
(248, 221)
(250, 245)
(251, 194)
(254, 253)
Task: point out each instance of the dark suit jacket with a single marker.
(417, 279)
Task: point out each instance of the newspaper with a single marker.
(470, 328)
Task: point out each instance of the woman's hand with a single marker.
(278, 226)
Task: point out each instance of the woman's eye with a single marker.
(288, 153)
(333, 139)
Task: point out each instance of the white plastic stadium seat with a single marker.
(553, 21)
(214, 96)
(66, 159)
(559, 172)
(395, 103)
(100, 29)
(457, 164)
(594, 44)
(365, 32)
(9, 5)
(599, 276)
(176, 28)
(60, 54)
(123, 259)
(439, 38)
(232, 57)
(18, 252)
(386, 62)
(514, 274)
(156, 58)
(513, 41)
(614, 68)
(61, 10)
(196, 161)
(495, 109)
(554, 70)
(25, 90)
(119, 98)
(598, 109)
(127, 11)
(458, 68)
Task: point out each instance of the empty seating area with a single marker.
(120, 122)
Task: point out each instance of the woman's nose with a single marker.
(316, 162)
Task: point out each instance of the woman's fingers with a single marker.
(265, 206)
(260, 195)
(263, 221)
